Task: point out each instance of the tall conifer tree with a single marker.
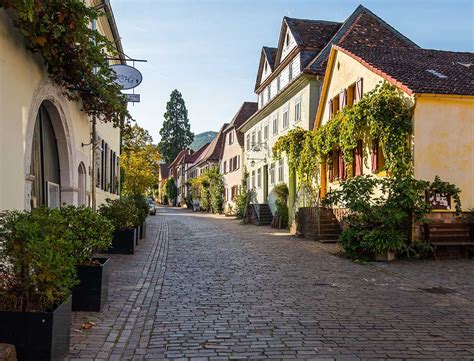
(176, 131)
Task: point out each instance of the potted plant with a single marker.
(37, 274)
(383, 243)
(90, 232)
(123, 214)
(142, 206)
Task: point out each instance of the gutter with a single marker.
(114, 29)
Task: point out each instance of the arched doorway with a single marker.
(82, 185)
(44, 166)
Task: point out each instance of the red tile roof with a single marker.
(270, 54)
(312, 34)
(418, 70)
(364, 28)
(246, 111)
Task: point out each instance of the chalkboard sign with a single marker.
(439, 200)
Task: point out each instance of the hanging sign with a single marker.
(133, 98)
(128, 77)
(439, 200)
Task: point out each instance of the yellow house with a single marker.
(45, 152)
(438, 83)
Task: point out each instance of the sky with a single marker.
(210, 49)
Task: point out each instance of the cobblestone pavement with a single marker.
(206, 287)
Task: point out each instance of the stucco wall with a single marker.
(444, 142)
(24, 85)
(306, 89)
(233, 178)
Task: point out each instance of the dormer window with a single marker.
(266, 64)
(287, 41)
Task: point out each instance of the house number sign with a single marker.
(128, 77)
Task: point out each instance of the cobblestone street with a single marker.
(206, 287)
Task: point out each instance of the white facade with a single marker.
(25, 92)
(231, 168)
(294, 107)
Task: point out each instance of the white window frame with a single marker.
(268, 93)
(248, 141)
(298, 110)
(290, 71)
(272, 173)
(275, 124)
(281, 170)
(286, 117)
(265, 131)
(278, 85)
(259, 177)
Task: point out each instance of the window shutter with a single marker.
(359, 90)
(375, 154)
(331, 168)
(340, 164)
(358, 159)
(342, 99)
(330, 108)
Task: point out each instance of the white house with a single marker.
(231, 156)
(45, 152)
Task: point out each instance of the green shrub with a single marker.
(379, 210)
(243, 198)
(122, 213)
(281, 192)
(141, 203)
(37, 270)
(416, 250)
(90, 232)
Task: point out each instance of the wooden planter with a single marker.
(92, 292)
(38, 335)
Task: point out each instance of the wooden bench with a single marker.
(449, 234)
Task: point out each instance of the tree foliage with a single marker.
(176, 132)
(75, 55)
(208, 189)
(170, 189)
(139, 161)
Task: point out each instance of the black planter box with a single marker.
(92, 293)
(123, 242)
(137, 235)
(38, 335)
(143, 230)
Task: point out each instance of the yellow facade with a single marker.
(24, 87)
(443, 127)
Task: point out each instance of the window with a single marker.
(378, 160)
(290, 71)
(298, 110)
(231, 138)
(253, 139)
(287, 40)
(333, 106)
(278, 83)
(259, 177)
(259, 137)
(275, 125)
(82, 182)
(339, 166)
(231, 165)
(266, 65)
(272, 173)
(248, 141)
(268, 94)
(286, 122)
(280, 170)
(357, 166)
(265, 132)
(234, 192)
(253, 179)
(224, 168)
(359, 90)
(351, 95)
(261, 99)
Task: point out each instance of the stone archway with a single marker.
(48, 95)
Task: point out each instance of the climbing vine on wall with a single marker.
(383, 113)
(73, 52)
